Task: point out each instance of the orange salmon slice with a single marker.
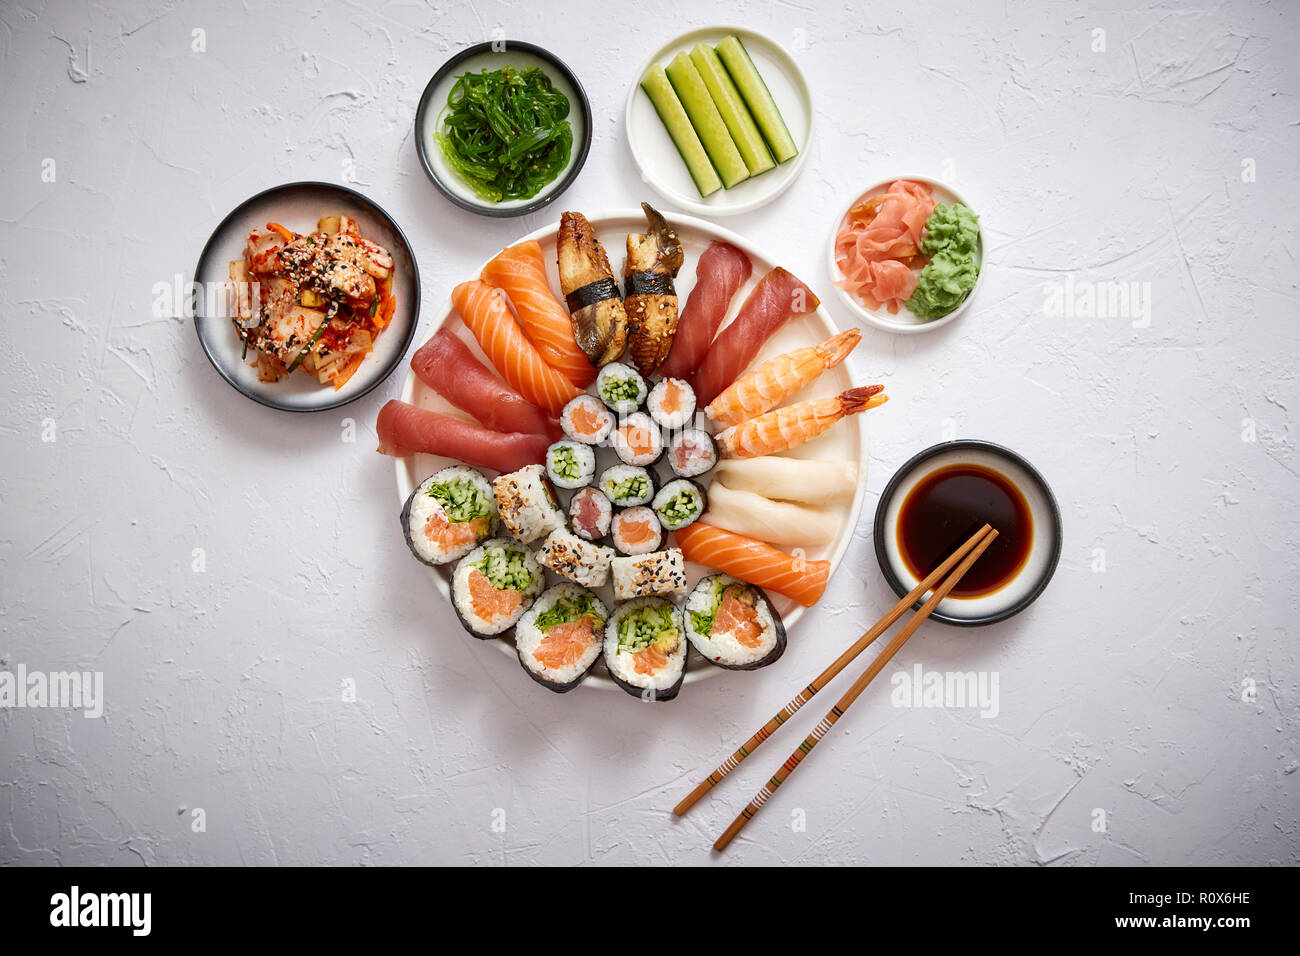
(672, 403)
(489, 603)
(638, 439)
(446, 534)
(564, 644)
(585, 421)
(649, 660)
(636, 532)
(739, 619)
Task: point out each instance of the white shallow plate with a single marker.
(847, 441)
(298, 206)
(905, 321)
(661, 164)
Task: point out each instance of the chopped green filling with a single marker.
(564, 463)
(461, 500)
(505, 568)
(680, 507)
(566, 610)
(643, 626)
(702, 621)
(633, 486)
(620, 390)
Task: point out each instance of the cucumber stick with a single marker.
(744, 132)
(743, 72)
(670, 110)
(706, 119)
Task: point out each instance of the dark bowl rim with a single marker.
(382, 376)
(422, 149)
(891, 489)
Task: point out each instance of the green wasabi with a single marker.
(952, 242)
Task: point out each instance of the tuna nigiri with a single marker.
(763, 388)
(446, 364)
(720, 272)
(521, 271)
(406, 430)
(778, 296)
(483, 307)
(755, 562)
(796, 424)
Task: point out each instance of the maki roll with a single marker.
(671, 403)
(448, 515)
(680, 503)
(638, 441)
(692, 452)
(621, 387)
(570, 464)
(493, 585)
(627, 485)
(590, 512)
(560, 637)
(637, 531)
(586, 419)
(645, 649)
(734, 624)
(644, 575)
(571, 557)
(527, 504)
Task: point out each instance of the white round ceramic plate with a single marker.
(847, 441)
(496, 55)
(661, 165)
(905, 321)
(298, 206)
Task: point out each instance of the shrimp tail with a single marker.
(837, 348)
(861, 398)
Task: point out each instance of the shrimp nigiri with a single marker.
(795, 424)
(771, 383)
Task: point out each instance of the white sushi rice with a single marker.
(528, 508)
(576, 558)
(644, 575)
(425, 506)
(460, 591)
(722, 647)
(622, 663)
(528, 638)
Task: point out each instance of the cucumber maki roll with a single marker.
(627, 485)
(448, 515)
(570, 464)
(733, 624)
(645, 648)
(680, 503)
(561, 636)
(621, 387)
(494, 585)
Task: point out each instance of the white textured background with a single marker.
(1120, 690)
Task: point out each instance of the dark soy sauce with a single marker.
(949, 505)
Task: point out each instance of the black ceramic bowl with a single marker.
(298, 206)
(494, 55)
(1044, 551)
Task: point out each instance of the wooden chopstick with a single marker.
(826, 676)
(874, 668)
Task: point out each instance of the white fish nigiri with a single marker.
(776, 522)
(791, 479)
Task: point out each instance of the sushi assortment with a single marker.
(628, 442)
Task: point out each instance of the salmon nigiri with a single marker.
(521, 271)
(755, 562)
(484, 310)
(795, 424)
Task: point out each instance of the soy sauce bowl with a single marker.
(1044, 550)
(494, 55)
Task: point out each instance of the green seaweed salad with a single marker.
(506, 132)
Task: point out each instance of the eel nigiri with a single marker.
(521, 272)
(766, 386)
(649, 298)
(484, 309)
(755, 562)
(406, 430)
(720, 272)
(795, 424)
(778, 296)
(446, 364)
(590, 292)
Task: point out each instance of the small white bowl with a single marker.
(904, 321)
(661, 165)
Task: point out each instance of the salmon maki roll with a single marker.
(448, 515)
(494, 585)
(645, 648)
(561, 636)
(733, 624)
